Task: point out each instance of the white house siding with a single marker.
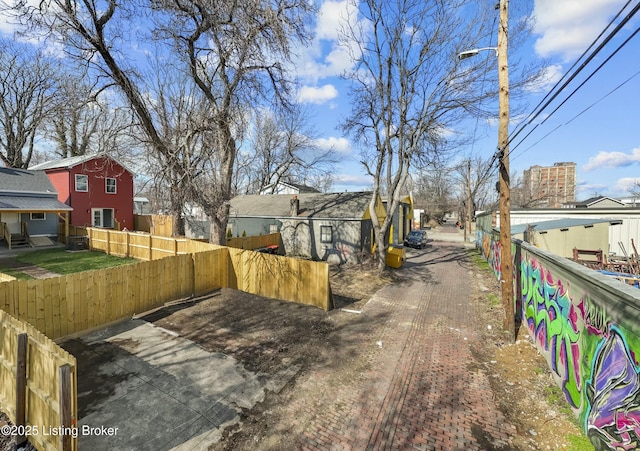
(629, 229)
(302, 237)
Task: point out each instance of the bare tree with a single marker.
(91, 34)
(83, 123)
(433, 190)
(283, 148)
(477, 175)
(236, 54)
(27, 93)
(408, 89)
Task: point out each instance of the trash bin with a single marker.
(395, 256)
(77, 243)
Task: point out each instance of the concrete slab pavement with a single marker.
(156, 390)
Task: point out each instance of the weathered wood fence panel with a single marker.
(42, 408)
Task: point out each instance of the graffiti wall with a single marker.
(489, 245)
(587, 328)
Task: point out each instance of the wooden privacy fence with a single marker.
(66, 305)
(138, 245)
(255, 242)
(38, 383)
(159, 225)
(273, 276)
(74, 303)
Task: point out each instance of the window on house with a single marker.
(38, 216)
(82, 183)
(326, 234)
(273, 228)
(111, 186)
(102, 217)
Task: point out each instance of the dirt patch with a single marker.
(522, 383)
(8, 442)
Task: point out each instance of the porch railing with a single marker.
(6, 233)
(25, 230)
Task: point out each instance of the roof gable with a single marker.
(68, 163)
(348, 205)
(598, 200)
(296, 187)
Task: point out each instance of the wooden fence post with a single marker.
(128, 244)
(21, 384)
(64, 400)
(90, 240)
(150, 248)
(108, 243)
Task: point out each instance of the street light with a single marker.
(506, 260)
(473, 52)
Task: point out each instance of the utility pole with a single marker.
(506, 260)
(469, 205)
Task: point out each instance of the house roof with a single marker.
(312, 205)
(13, 180)
(24, 190)
(559, 224)
(299, 187)
(67, 163)
(31, 203)
(594, 200)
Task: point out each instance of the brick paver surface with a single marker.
(422, 389)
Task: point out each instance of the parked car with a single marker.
(417, 239)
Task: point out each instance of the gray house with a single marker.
(312, 225)
(29, 207)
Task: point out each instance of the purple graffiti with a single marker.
(614, 395)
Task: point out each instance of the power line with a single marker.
(551, 96)
(577, 115)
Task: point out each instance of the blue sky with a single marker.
(597, 128)
(604, 141)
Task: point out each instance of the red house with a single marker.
(97, 187)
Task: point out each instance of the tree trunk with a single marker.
(176, 213)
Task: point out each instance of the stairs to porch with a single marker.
(18, 240)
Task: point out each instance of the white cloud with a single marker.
(567, 27)
(328, 55)
(613, 160)
(340, 145)
(628, 184)
(317, 95)
(353, 180)
(549, 77)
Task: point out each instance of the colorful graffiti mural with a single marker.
(593, 358)
(490, 246)
(553, 322)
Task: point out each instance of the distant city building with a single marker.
(550, 186)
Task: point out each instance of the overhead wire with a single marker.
(555, 86)
(544, 104)
(557, 89)
(579, 114)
